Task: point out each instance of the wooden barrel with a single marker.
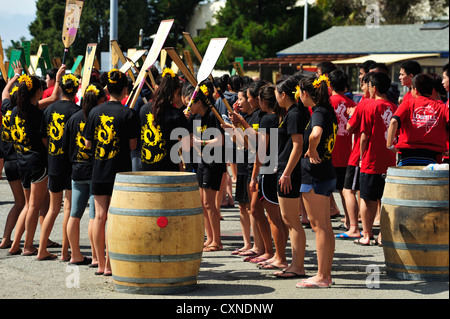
(414, 223)
(155, 232)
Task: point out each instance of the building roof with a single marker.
(362, 40)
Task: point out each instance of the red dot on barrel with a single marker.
(162, 222)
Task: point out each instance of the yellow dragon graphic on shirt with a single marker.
(80, 142)
(19, 136)
(152, 150)
(107, 141)
(55, 131)
(6, 124)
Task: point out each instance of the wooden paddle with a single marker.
(212, 54)
(87, 69)
(194, 48)
(158, 42)
(190, 77)
(71, 24)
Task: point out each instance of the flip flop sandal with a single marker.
(248, 253)
(86, 261)
(311, 284)
(270, 267)
(257, 260)
(290, 275)
(345, 236)
(358, 242)
(49, 257)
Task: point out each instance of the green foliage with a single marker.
(257, 29)
(94, 26)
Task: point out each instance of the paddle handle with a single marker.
(65, 55)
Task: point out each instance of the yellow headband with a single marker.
(25, 78)
(168, 71)
(109, 76)
(70, 77)
(204, 89)
(92, 88)
(297, 93)
(321, 78)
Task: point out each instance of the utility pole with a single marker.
(305, 21)
(113, 27)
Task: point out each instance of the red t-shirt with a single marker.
(355, 122)
(423, 124)
(375, 123)
(343, 145)
(48, 92)
(407, 96)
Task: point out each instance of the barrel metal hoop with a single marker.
(410, 246)
(417, 181)
(155, 179)
(394, 171)
(131, 188)
(416, 267)
(155, 212)
(155, 258)
(414, 203)
(155, 280)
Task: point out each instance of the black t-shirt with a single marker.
(6, 141)
(55, 118)
(268, 121)
(325, 118)
(209, 160)
(294, 122)
(31, 152)
(109, 127)
(254, 120)
(156, 143)
(80, 156)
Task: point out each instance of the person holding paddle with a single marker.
(208, 135)
(111, 130)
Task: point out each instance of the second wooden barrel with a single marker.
(415, 224)
(155, 232)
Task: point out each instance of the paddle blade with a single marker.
(212, 54)
(71, 21)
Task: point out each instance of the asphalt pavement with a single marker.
(224, 280)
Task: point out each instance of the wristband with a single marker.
(285, 176)
(17, 74)
(390, 147)
(254, 179)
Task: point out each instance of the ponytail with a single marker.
(27, 88)
(317, 88)
(165, 93)
(93, 95)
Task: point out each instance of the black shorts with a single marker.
(241, 194)
(102, 188)
(295, 185)
(268, 188)
(352, 178)
(209, 177)
(340, 177)
(11, 171)
(372, 186)
(58, 183)
(32, 177)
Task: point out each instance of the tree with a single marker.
(258, 29)
(94, 25)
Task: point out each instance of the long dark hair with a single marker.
(317, 88)
(117, 81)
(206, 96)
(28, 86)
(165, 94)
(267, 93)
(94, 93)
(69, 85)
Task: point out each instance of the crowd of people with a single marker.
(60, 147)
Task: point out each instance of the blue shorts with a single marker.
(81, 195)
(324, 188)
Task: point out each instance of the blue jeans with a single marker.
(81, 195)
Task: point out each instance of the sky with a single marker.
(15, 16)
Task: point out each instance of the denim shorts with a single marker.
(324, 188)
(81, 195)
